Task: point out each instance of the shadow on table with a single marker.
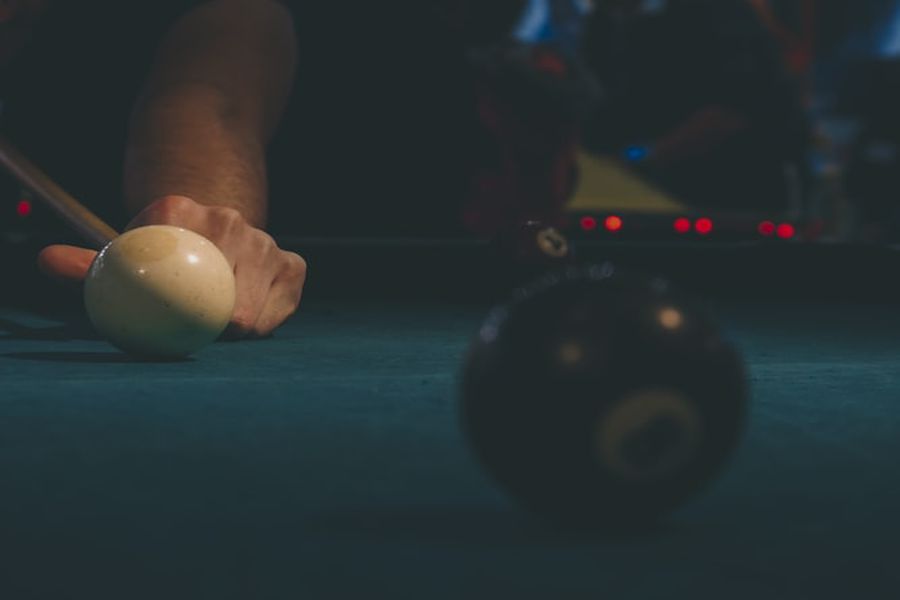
(472, 525)
(111, 357)
(71, 357)
(78, 330)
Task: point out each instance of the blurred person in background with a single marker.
(861, 76)
(698, 99)
(422, 118)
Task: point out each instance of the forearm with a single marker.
(208, 108)
(189, 141)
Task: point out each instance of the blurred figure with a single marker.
(863, 72)
(555, 22)
(848, 35)
(697, 98)
(792, 25)
(530, 99)
(421, 119)
(532, 94)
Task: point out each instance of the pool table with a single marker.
(328, 461)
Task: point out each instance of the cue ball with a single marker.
(601, 398)
(160, 292)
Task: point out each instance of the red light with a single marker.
(549, 63)
(682, 225)
(766, 228)
(703, 226)
(613, 223)
(23, 208)
(785, 231)
(588, 223)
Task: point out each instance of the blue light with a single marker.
(532, 27)
(552, 21)
(889, 46)
(635, 153)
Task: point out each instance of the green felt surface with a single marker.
(327, 462)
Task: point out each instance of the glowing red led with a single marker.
(703, 226)
(613, 223)
(766, 228)
(23, 208)
(550, 63)
(682, 225)
(785, 231)
(588, 223)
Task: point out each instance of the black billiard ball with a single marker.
(533, 241)
(598, 397)
(523, 250)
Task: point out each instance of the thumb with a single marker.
(66, 263)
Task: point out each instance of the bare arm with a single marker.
(209, 107)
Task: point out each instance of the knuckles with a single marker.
(242, 321)
(295, 265)
(169, 210)
(243, 244)
(228, 216)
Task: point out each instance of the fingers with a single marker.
(268, 294)
(283, 298)
(268, 280)
(66, 263)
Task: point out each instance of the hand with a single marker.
(269, 281)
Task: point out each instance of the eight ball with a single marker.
(601, 398)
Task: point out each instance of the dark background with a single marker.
(386, 134)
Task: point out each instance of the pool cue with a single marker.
(93, 229)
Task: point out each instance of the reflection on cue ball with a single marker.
(160, 292)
